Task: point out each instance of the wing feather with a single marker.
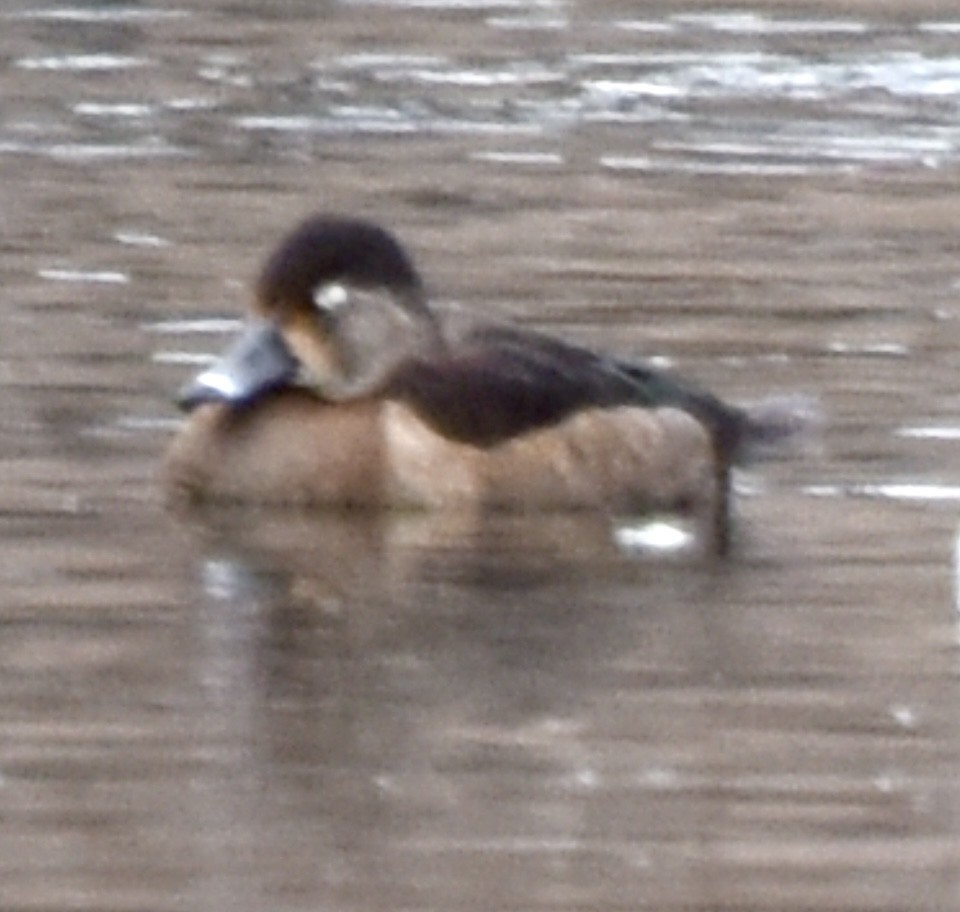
(502, 382)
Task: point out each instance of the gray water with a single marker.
(247, 710)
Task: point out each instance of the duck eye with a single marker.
(330, 298)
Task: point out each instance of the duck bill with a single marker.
(258, 362)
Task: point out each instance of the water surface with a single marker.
(239, 710)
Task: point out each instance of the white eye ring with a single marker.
(330, 297)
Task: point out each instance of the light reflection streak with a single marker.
(910, 492)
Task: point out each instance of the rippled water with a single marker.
(249, 710)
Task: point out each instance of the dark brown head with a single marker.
(329, 250)
(338, 305)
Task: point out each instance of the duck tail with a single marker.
(778, 426)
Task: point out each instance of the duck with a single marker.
(347, 389)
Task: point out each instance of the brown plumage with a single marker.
(348, 389)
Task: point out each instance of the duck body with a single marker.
(292, 450)
(347, 389)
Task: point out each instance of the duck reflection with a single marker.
(407, 691)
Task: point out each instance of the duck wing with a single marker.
(501, 382)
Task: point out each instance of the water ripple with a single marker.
(93, 16)
(479, 5)
(201, 326)
(827, 94)
(103, 277)
(913, 492)
(82, 63)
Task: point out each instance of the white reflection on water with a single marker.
(227, 580)
(654, 537)
(462, 4)
(931, 432)
(105, 277)
(956, 578)
(150, 148)
(192, 359)
(905, 716)
(186, 327)
(140, 239)
(106, 16)
(869, 349)
(478, 79)
(750, 23)
(902, 491)
(641, 163)
(541, 22)
(139, 423)
(519, 158)
(82, 63)
(113, 109)
(353, 119)
(906, 74)
(747, 74)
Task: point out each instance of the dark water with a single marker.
(257, 711)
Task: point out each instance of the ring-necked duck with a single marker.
(347, 389)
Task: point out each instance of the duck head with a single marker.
(338, 307)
